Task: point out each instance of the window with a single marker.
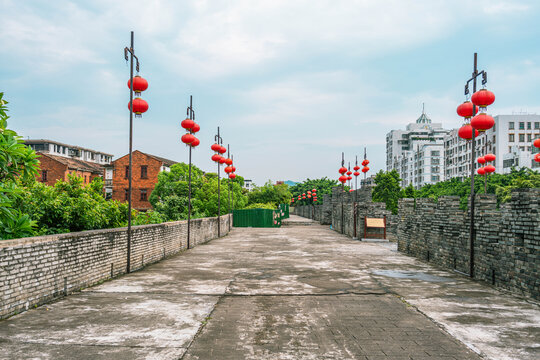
(521, 137)
(43, 175)
(127, 172)
(510, 139)
(511, 125)
(537, 125)
(143, 194)
(529, 137)
(509, 149)
(126, 194)
(522, 148)
(85, 179)
(521, 125)
(435, 153)
(144, 172)
(528, 125)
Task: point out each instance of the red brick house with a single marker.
(145, 172)
(53, 168)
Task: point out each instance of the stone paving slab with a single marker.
(322, 327)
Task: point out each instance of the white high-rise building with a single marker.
(417, 153)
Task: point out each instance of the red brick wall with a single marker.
(120, 182)
(55, 170)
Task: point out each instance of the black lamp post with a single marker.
(191, 115)
(472, 233)
(219, 141)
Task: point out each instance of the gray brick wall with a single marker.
(507, 245)
(37, 270)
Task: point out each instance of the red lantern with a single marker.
(315, 199)
(187, 124)
(342, 170)
(483, 98)
(222, 160)
(536, 143)
(489, 168)
(309, 196)
(215, 147)
(314, 190)
(365, 169)
(349, 173)
(465, 109)
(351, 190)
(465, 132)
(228, 169)
(139, 84)
(222, 150)
(216, 157)
(309, 192)
(232, 176)
(195, 128)
(356, 168)
(139, 106)
(343, 179)
(356, 173)
(481, 160)
(233, 169)
(490, 157)
(482, 122)
(303, 194)
(349, 177)
(365, 162)
(228, 162)
(188, 139)
(481, 171)
(195, 142)
(537, 158)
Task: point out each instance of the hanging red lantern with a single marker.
(356, 168)
(139, 106)
(490, 157)
(195, 142)
(233, 169)
(349, 172)
(228, 162)
(215, 147)
(196, 127)
(365, 169)
(482, 122)
(351, 190)
(187, 124)
(481, 160)
(222, 160)
(315, 199)
(309, 192)
(187, 138)
(342, 179)
(309, 196)
(216, 157)
(303, 194)
(342, 170)
(465, 132)
(489, 168)
(481, 171)
(536, 143)
(465, 110)
(483, 98)
(314, 190)
(222, 150)
(349, 177)
(537, 158)
(228, 169)
(232, 176)
(365, 162)
(139, 84)
(356, 173)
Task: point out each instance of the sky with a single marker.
(291, 84)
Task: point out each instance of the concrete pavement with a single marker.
(298, 292)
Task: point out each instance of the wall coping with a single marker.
(54, 237)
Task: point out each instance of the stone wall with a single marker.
(37, 270)
(507, 240)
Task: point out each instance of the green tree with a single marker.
(387, 189)
(270, 194)
(322, 185)
(18, 165)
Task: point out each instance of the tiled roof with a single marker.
(75, 164)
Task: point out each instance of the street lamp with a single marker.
(342, 170)
(191, 141)
(480, 122)
(138, 106)
(365, 164)
(218, 149)
(229, 170)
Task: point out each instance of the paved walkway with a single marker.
(298, 292)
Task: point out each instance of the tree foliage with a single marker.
(18, 164)
(270, 194)
(323, 186)
(387, 189)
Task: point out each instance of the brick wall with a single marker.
(55, 170)
(36, 270)
(507, 241)
(121, 183)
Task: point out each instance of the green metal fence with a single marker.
(284, 208)
(257, 218)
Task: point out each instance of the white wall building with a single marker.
(69, 151)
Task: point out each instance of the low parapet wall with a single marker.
(37, 270)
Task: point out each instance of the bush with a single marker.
(270, 206)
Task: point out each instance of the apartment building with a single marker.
(69, 151)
